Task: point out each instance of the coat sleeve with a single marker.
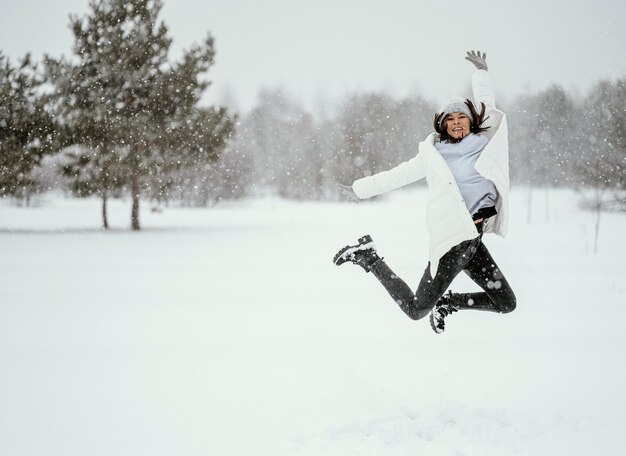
(405, 173)
(483, 89)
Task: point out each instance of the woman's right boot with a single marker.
(363, 254)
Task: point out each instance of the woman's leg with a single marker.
(418, 305)
(498, 295)
(395, 286)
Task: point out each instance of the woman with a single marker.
(465, 162)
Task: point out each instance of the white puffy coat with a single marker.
(448, 220)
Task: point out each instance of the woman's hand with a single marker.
(348, 193)
(478, 59)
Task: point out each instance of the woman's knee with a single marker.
(414, 309)
(507, 304)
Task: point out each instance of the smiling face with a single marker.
(457, 125)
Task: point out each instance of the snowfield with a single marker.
(228, 331)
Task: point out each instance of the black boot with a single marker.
(364, 254)
(452, 302)
(444, 307)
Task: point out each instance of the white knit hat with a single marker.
(454, 105)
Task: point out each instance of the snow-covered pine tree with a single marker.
(121, 96)
(27, 130)
(191, 145)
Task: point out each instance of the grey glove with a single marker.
(348, 193)
(479, 60)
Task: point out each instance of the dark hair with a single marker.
(476, 122)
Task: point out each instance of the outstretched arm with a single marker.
(481, 81)
(405, 173)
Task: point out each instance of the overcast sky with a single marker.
(320, 49)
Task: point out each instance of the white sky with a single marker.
(321, 49)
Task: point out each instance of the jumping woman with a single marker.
(465, 163)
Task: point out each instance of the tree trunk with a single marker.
(134, 188)
(597, 232)
(547, 208)
(105, 221)
(529, 204)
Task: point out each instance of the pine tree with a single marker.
(27, 130)
(128, 105)
(188, 148)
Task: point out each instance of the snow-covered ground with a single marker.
(228, 331)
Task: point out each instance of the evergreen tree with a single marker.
(190, 148)
(27, 130)
(97, 171)
(129, 106)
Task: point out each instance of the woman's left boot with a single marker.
(452, 302)
(444, 307)
(363, 254)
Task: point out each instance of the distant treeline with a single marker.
(280, 148)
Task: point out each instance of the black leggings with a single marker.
(470, 256)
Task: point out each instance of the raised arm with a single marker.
(478, 59)
(481, 81)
